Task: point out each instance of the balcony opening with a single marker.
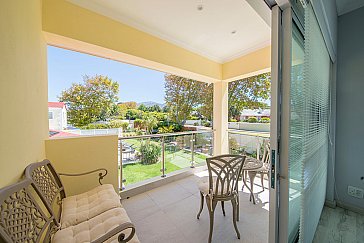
(163, 121)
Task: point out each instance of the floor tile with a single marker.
(168, 214)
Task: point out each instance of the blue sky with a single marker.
(135, 83)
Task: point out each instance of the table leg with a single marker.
(249, 188)
(252, 175)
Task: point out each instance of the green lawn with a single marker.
(138, 172)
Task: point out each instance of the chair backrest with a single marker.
(224, 172)
(46, 182)
(22, 219)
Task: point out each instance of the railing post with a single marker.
(163, 159)
(121, 164)
(192, 142)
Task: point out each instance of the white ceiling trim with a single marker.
(94, 7)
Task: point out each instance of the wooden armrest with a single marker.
(118, 229)
(101, 174)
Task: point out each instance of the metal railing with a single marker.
(246, 142)
(147, 156)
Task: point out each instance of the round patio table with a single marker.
(251, 165)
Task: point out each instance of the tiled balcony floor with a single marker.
(168, 215)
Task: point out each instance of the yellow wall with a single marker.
(80, 154)
(23, 88)
(248, 65)
(65, 19)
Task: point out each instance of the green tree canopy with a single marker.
(206, 107)
(248, 93)
(143, 107)
(155, 108)
(149, 122)
(92, 100)
(128, 105)
(182, 95)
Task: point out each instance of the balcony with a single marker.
(163, 204)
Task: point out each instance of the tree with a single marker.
(156, 108)
(128, 105)
(149, 122)
(90, 101)
(143, 107)
(248, 93)
(206, 108)
(182, 95)
(133, 114)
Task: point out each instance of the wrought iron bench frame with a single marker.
(26, 212)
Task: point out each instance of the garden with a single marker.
(142, 158)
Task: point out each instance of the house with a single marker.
(314, 51)
(258, 113)
(57, 116)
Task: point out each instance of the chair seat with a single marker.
(94, 228)
(82, 207)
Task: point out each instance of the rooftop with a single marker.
(56, 104)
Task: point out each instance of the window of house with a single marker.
(50, 115)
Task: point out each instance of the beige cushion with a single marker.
(94, 228)
(82, 207)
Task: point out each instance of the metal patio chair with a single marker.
(222, 185)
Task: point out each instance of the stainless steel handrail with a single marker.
(249, 133)
(159, 135)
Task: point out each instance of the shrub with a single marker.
(138, 124)
(166, 129)
(206, 124)
(176, 127)
(96, 126)
(196, 124)
(138, 132)
(149, 152)
(265, 120)
(118, 124)
(193, 118)
(233, 120)
(252, 119)
(235, 147)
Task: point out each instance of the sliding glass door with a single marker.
(302, 66)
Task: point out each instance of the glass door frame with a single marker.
(283, 19)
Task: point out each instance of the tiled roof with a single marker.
(56, 104)
(54, 133)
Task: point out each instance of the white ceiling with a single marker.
(207, 32)
(346, 6)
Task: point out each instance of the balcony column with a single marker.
(220, 118)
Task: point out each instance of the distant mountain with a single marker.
(151, 103)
